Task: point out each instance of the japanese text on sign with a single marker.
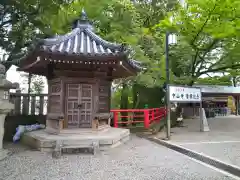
(184, 94)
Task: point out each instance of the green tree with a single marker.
(20, 23)
(208, 38)
(152, 41)
(37, 86)
(34, 84)
(224, 80)
(120, 21)
(235, 77)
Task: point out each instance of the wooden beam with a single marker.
(127, 67)
(50, 71)
(29, 65)
(80, 73)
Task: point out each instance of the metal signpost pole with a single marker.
(168, 128)
(168, 115)
(201, 116)
(237, 105)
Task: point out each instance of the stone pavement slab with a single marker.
(138, 159)
(221, 143)
(221, 129)
(227, 151)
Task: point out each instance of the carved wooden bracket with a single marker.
(100, 116)
(55, 116)
(104, 118)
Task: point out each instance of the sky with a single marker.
(15, 76)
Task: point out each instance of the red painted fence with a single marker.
(137, 116)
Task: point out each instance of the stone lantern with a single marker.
(5, 105)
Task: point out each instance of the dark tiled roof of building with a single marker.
(81, 40)
(136, 64)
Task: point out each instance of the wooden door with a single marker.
(79, 105)
(86, 106)
(73, 101)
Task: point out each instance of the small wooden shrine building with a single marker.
(79, 67)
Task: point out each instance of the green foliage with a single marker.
(109, 17)
(207, 33)
(215, 80)
(208, 38)
(37, 86)
(139, 95)
(117, 21)
(115, 99)
(20, 24)
(235, 76)
(149, 95)
(152, 41)
(36, 83)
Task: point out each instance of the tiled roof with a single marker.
(136, 64)
(81, 40)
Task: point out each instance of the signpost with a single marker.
(184, 94)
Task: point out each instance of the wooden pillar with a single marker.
(55, 116)
(29, 83)
(17, 102)
(62, 102)
(237, 104)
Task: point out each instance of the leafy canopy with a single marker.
(20, 23)
(208, 38)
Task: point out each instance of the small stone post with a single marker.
(5, 105)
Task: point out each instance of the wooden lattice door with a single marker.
(86, 105)
(79, 105)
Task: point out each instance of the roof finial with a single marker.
(82, 21)
(84, 15)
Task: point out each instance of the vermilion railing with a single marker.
(131, 117)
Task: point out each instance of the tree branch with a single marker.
(204, 24)
(207, 50)
(219, 69)
(209, 75)
(193, 68)
(219, 62)
(201, 64)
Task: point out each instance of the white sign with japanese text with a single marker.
(184, 94)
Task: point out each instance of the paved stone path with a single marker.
(138, 159)
(222, 142)
(226, 151)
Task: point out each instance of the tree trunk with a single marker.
(234, 82)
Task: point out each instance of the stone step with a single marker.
(101, 129)
(42, 141)
(78, 142)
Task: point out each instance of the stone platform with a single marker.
(107, 138)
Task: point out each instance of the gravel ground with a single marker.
(138, 159)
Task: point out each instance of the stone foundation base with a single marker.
(107, 138)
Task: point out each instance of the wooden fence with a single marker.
(28, 104)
